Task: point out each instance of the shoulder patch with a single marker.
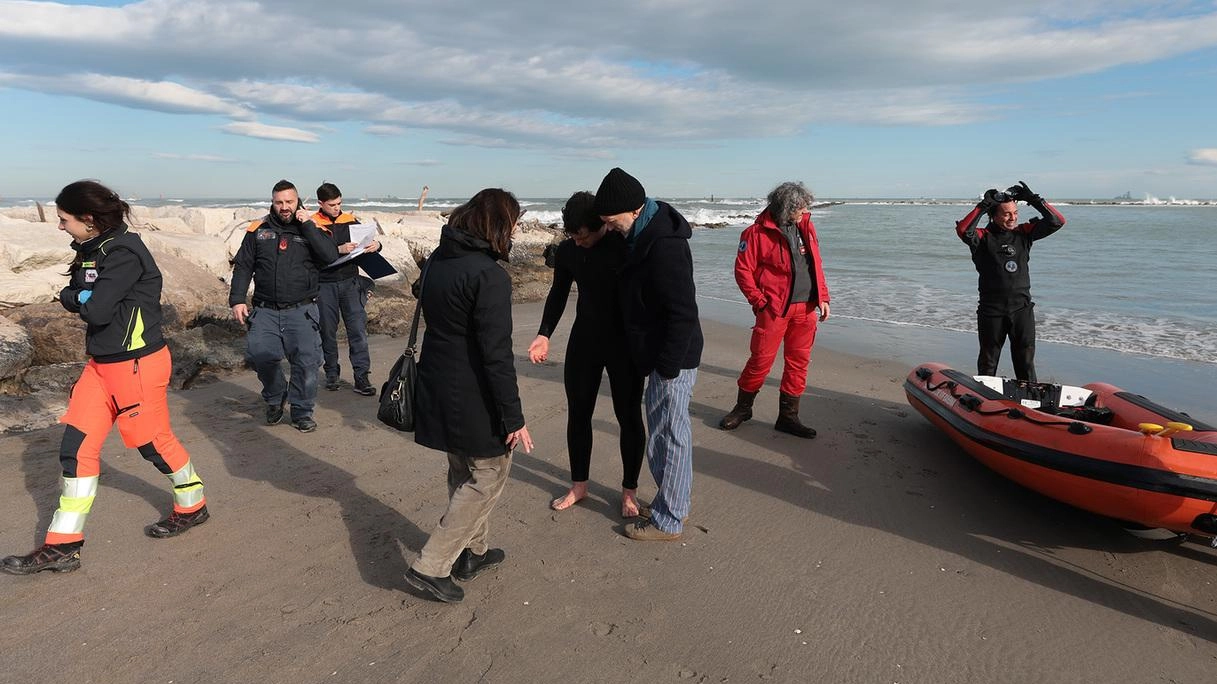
(743, 245)
(254, 226)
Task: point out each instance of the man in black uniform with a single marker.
(342, 294)
(282, 254)
(1001, 252)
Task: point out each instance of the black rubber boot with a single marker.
(788, 418)
(54, 557)
(741, 412)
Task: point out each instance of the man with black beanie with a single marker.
(663, 334)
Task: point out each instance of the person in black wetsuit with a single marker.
(591, 258)
(1001, 252)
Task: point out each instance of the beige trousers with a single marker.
(474, 486)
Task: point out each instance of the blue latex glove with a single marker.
(83, 296)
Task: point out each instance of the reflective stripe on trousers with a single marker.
(187, 489)
(75, 501)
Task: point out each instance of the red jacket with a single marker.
(762, 266)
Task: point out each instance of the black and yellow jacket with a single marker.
(282, 260)
(339, 230)
(123, 312)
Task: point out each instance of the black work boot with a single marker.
(364, 386)
(741, 412)
(177, 523)
(469, 565)
(788, 417)
(54, 557)
(274, 414)
(442, 588)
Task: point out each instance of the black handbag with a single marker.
(397, 393)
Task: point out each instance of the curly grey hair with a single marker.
(786, 198)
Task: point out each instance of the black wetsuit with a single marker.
(1004, 282)
(597, 343)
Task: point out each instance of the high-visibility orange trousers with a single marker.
(134, 395)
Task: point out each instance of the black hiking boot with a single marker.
(53, 557)
(177, 523)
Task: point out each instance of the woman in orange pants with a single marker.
(116, 288)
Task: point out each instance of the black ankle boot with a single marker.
(788, 418)
(469, 565)
(442, 588)
(741, 412)
(54, 557)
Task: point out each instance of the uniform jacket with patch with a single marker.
(282, 259)
(765, 259)
(124, 311)
(339, 230)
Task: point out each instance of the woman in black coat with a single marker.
(466, 393)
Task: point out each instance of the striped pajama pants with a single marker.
(670, 446)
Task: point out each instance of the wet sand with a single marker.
(878, 552)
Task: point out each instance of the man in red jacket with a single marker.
(779, 271)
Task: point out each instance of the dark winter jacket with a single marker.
(339, 231)
(467, 397)
(123, 312)
(282, 259)
(658, 299)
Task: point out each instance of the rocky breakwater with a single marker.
(42, 345)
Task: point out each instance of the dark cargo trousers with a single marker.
(275, 334)
(346, 299)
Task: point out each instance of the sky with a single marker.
(878, 98)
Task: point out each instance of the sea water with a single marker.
(1122, 292)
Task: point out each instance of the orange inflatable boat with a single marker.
(1095, 447)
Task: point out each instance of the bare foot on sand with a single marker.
(578, 491)
(629, 503)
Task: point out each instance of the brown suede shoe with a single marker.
(645, 530)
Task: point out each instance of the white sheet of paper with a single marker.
(362, 235)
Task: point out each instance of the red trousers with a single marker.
(795, 332)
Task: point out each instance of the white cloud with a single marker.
(253, 129)
(1205, 156)
(384, 130)
(164, 96)
(584, 80)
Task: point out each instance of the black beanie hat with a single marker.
(619, 192)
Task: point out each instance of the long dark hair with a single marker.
(91, 198)
(489, 215)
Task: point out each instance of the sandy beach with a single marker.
(878, 552)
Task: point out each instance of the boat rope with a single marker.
(972, 403)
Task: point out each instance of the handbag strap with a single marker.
(418, 308)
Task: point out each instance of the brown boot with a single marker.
(788, 417)
(741, 412)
